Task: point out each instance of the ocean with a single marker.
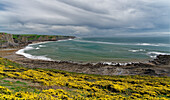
(99, 49)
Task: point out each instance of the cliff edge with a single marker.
(19, 40)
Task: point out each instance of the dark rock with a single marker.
(99, 64)
(143, 65)
(149, 72)
(117, 64)
(161, 60)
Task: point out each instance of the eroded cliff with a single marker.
(13, 40)
(6, 40)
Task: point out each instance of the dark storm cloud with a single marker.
(85, 17)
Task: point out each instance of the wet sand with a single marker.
(7, 52)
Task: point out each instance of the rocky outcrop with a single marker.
(157, 67)
(99, 68)
(7, 40)
(12, 40)
(162, 60)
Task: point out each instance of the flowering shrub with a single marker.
(82, 86)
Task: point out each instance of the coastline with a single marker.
(109, 62)
(21, 52)
(132, 68)
(18, 52)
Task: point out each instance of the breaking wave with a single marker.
(40, 44)
(22, 52)
(140, 50)
(140, 44)
(155, 54)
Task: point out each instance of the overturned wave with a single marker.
(140, 44)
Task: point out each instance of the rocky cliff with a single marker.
(6, 40)
(13, 40)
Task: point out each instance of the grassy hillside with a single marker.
(17, 82)
(34, 37)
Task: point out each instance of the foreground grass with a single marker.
(17, 82)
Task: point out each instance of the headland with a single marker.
(10, 44)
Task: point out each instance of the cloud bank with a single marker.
(86, 17)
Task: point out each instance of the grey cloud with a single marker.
(84, 17)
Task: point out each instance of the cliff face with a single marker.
(6, 40)
(12, 40)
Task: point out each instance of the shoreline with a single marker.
(43, 58)
(29, 56)
(111, 62)
(105, 68)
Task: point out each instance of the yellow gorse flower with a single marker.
(63, 85)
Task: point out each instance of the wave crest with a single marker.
(155, 54)
(140, 50)
(140, 44)
(22, 52)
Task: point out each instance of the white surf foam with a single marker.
(96, 42)
(140, 50)
(122, 64)
(152, 44)
(42, 45)
(37, 48)
(22, 52)
(70, 39)
(61, 40)
(155, 54)
(64, 40)
(148, 44)
(142, 44)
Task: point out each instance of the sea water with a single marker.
(99, 49)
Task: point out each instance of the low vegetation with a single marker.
(31, 37)
(17, 82)
(20, 40)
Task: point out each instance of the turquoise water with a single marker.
(101, 49)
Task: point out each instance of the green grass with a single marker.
(2, 41)
(7, 62)
(18, 82)
(31, 37)
(3, 33)
(6, 81)
(17, 86)
(23, 88)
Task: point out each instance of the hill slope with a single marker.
(17, 82)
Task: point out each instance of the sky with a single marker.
(86, 17)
